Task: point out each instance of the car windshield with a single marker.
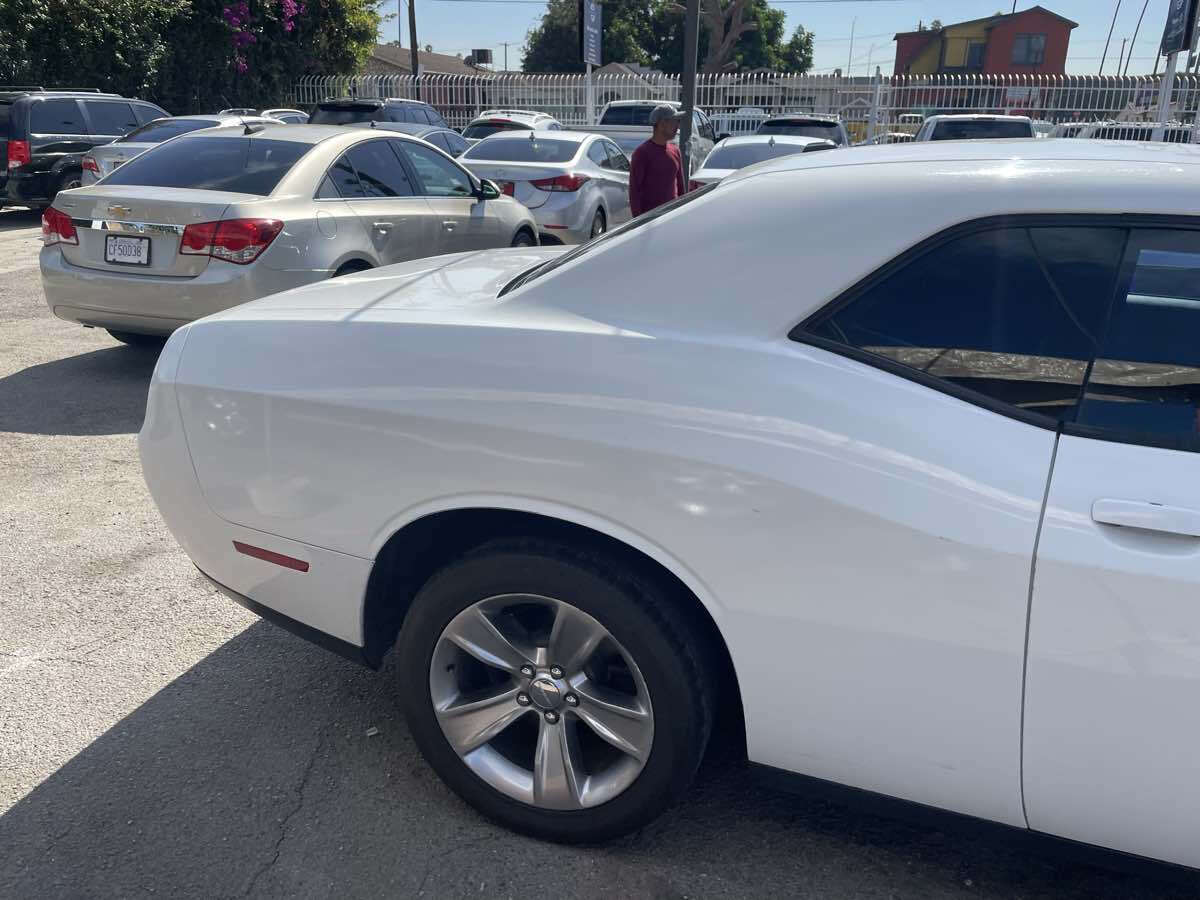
(343, 113)
(981, 128)
(245, 165)
(506, 149)
(802, 128)
(739, 156)
(633, 225)
(477, 130)
(163, 129)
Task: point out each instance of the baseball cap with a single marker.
(663, 112)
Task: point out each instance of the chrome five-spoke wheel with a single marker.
(541, 702)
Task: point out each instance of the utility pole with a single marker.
(1106, 42)
(691, 52)
(1135, 34)
(1121, 58)
(850, 57)
(412, 35)
(507, 44)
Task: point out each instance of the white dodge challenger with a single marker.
(911, 495)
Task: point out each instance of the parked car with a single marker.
(99, 161)
(1069, 129)
(443, 138)
(44, 134)
(831, 128)
(627, 123)
(576, 185)
(348, 110)
(1173, 132)
(889, 137)
(494, 121)
(974, 127)
(744, 120)
(212, 219)
(285, 115)
(1042, 128)
(597, 507)
(736, 153)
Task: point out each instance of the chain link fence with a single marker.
(738, 102)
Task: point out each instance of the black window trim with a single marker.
(404, 164)
(1126, 221)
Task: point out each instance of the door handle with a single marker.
(449, 225)
(383, 227)
(1148, 516)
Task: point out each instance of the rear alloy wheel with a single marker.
(68, 181)
(561, 701)
(599, 225)
(134, 339)
(523, 239)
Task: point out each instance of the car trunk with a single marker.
(111, 156)
(158, 215)
(520, 176)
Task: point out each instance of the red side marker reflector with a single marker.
(288, 562)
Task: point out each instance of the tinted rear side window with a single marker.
(60, 116)
(165, 129)
(828, 130)
(110, 117)
(380, 172)
(1010, 313)
(523, 150)
(1145, 384)
(242, 164)
(959, 131)
(343, 115)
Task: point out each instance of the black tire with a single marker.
(523, 239)
(66, 181)
(133, 339)
(599, 224)
(350, 268)
(643, 618)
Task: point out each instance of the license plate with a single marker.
(127, 251)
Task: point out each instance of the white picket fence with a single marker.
(868, 105)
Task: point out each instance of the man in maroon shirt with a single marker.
(656, 170)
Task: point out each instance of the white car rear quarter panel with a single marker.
(778, 485)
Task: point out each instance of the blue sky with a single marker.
(453, 27)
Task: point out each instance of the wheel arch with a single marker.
(410, 552)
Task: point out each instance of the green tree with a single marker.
(797, 53)
(759, 46)
(553, 44)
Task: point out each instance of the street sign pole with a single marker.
(1164, 97)
(412, 35)
(591, 34)
(691, 51)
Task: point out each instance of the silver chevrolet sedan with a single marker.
(216, 218)
(575, 184)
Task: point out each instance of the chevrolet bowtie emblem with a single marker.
(119, 211)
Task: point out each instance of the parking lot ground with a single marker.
(157, 739)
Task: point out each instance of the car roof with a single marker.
(674, 103)
(978, 117)
(811, 117)
(300, 134)
(541, 134)
(351, 101)
(402, 127)
(513, 115)
(798, 140)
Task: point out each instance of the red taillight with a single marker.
(238, 241)
(561, 183)
(57, 228)
(89, 165)
(18, 153)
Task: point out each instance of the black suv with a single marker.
(349, 110)
(44, 134)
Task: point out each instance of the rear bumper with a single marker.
(151, 304)
(564, 209)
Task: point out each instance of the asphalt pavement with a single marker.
(156, 739)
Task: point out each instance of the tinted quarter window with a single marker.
(618, 160)
(598, 155)
(1011, 313)
(345, 179)
(1145, 384)
(110, 117)
(244, 165)
(380, 172)
(56, 117)
(455, 143)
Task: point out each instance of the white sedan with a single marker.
(920, 506)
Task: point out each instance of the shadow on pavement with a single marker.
(102, 392)
(18, 218)
(274, 769)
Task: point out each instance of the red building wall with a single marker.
(998, 58)
(908, 47)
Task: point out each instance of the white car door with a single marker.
(1112, 735)
(918, 478)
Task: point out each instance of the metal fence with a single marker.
(868, 105)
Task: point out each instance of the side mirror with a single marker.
(487, 190)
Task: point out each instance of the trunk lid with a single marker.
(156, 214)
(520, 176)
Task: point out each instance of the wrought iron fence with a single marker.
(868, 105)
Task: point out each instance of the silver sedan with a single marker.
(213, 219)
(575, 184)
(101, 160)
